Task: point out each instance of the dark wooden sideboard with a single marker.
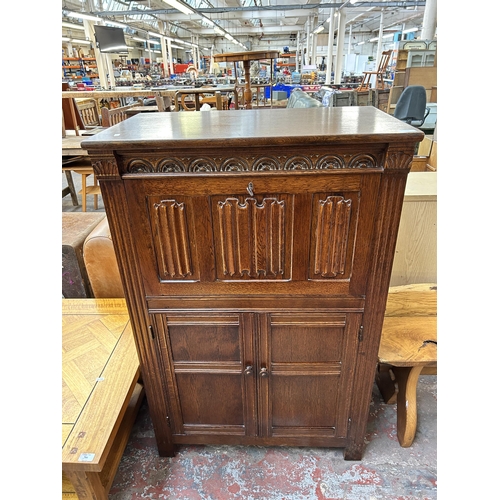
(255, 248)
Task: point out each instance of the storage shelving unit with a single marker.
(410, 54)
(74, 68)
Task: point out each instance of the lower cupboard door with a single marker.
(305, 374)
(209, 373)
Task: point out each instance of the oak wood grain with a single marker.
(101, 395)
(240, 236)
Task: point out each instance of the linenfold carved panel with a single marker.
(251, 238)
(332, 237)
(171, 240)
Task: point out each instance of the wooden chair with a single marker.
(216, 100)
(408, 349)
(113, 116)
(379, 74)
(89, 112)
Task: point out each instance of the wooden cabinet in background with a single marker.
(256, 256)
(416, 64)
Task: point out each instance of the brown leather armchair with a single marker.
(100, 262)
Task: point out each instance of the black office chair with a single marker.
(411, 106)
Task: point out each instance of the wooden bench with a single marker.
(408, 349)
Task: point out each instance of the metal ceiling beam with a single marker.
(262, 8)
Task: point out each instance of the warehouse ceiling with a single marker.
(275, 22)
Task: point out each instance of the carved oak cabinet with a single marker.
(255, 248)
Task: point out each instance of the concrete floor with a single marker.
(386, 471)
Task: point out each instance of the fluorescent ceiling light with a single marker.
(184, 8)
(114, 23)
(390, 35)
(361, 43)
(373, 39)
(81, 42)
(410, 30)
(218, 30)
(319, 29)
(73, 26)
(79, 15)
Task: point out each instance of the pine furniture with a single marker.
(255, 249)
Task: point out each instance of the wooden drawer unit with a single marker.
(256, 257)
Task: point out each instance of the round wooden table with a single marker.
(246, 58)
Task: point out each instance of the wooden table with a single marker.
(107, 94)
(71, 146)
(247, 58)
(101, 393)
(141, 109)
(196, 92)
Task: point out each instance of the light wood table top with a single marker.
(141, 109)
(71, 145)
(100, 393)
(107, 94)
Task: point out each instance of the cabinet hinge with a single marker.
(151, 332)
(360, 334)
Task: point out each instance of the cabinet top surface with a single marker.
(281, 127)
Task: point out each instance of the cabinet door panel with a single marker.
(210, 389)
(196, 339)
(210, 397)
(304, 400)
(306, 372)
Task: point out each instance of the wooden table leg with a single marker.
(96, 197)
(248, 90)
(71, 186)
(386, 384)
(407, 379)
(87, 485)
(84, 192)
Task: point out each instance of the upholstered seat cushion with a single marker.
(100, 262)
(76, 227)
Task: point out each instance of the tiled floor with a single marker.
(386, 471)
